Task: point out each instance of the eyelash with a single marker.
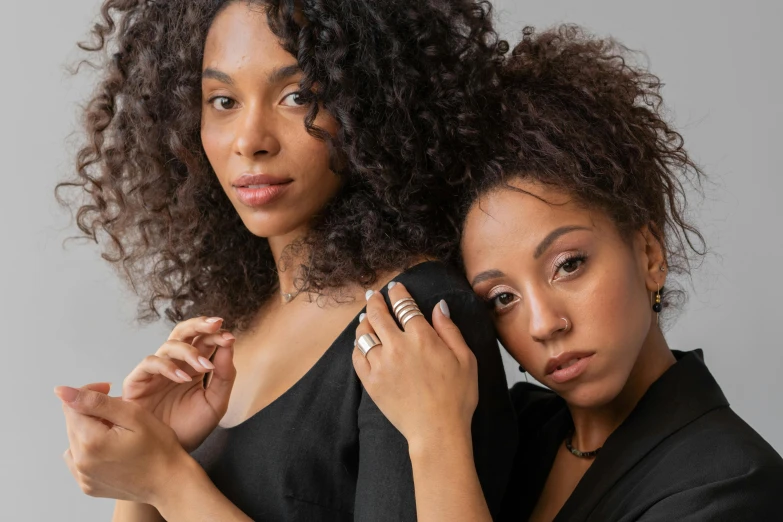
(570, 258)
(493, 297)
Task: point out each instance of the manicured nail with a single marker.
(444, 308)
(361, 317)
(183, 375)
(228, 337)
(392, 285)
(368, 295)
(206, 363)
(213, 320)
(66, 393)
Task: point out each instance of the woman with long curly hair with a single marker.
(258, 168)
(573, 247)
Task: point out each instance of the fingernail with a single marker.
(228, 337)
(206, 363)
(368, 295)
(392, 285)
(66, 393)
(183, 375)
(354, 343)
(361, 317)
(213, 320)
(444, 308)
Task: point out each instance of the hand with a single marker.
(118, 449)
(424, 380)
(170, 385)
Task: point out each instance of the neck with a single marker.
(287, 261)
(592, 426)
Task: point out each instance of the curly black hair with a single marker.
(581, 116)
(412, 84)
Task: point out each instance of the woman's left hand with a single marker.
(423, 379)
(117, 448)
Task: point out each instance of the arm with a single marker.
(125, 511)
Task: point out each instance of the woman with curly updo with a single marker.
(573, 249)
(258, 168)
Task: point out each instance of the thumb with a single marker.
(96, 404)
(449, 332)
(223, 376)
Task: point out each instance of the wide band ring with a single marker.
(401, 303)
(405, 309)
(367, 342)
(410, 315)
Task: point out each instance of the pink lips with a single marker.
(568, 366)
(256, 190)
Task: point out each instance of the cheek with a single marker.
(217, 144)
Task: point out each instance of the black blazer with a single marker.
(681, 455)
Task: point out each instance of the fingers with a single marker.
(188, 330)
(365, 327)
(100, 387)
(223, 377)
(397, 291)
(151, 366)
(90, 404)
(380, 317)
(450, 333)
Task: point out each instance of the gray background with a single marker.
(66, 319)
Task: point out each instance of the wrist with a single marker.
(181, 480)
(438, 443)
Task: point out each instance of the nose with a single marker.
(546, 319)
(256, 134)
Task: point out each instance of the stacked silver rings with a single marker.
(406, 309)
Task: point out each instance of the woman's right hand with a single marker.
(170, 383)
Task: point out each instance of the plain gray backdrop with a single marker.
(66, 318)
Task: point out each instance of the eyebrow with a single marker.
(277, 75)
(548, 240)
(486, 276)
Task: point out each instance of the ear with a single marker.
(654, 256)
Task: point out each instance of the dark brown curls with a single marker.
(582, 117)
(412, 85)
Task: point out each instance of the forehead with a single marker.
(240, 37)
(507, 223)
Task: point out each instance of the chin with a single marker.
(590, 394)
(269, 225)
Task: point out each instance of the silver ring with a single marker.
(404, 310)
(410, 316)
(567, 326)
(401, 303)
(367, 342)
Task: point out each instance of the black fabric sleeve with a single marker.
(385, 491)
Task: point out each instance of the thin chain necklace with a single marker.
(576, 452)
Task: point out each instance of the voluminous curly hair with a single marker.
(583, 118)
(412, 84)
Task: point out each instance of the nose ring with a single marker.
(567, 325)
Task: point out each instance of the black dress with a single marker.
(681, 455)
(324, 451)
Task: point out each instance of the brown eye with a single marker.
(571, 265)
(505, 299)
(222, 103)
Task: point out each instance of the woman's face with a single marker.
(276, 175)
(539, 264)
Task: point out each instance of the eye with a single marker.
(294, 99)
(501, 299)
(569, 266)
(222, 103)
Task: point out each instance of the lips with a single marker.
(256, 190)
(568, 366)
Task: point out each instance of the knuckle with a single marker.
(149, 360)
